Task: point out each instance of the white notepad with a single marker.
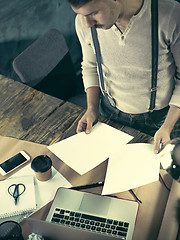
(26, 202)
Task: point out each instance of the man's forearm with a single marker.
(91, 115)
(93, 96)
(172, 117)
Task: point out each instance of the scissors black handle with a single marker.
(15, 193)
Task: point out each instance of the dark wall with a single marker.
(23, 21)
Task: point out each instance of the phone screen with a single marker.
(13, 162)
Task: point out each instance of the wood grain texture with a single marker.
(32, 115)
(28, 114)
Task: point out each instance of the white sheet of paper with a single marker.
(165, 156)
(132, 166)
(82, 152)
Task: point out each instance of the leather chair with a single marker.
(46, 66)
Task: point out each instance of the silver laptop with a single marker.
(76, 215)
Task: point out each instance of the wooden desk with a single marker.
(30, 115)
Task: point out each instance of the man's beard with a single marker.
(102, 26)
(98, 26)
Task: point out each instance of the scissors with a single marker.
(16, 190)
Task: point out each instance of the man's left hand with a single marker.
(161, 137)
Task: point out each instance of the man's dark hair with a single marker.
(78, 3)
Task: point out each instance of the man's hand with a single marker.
(87, 121)
(92, 113)
(161, 137)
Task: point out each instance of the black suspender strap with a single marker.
(155, 51)
(98, 59)
(154, 40)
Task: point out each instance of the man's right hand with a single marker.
(87, 121)
(92, 113)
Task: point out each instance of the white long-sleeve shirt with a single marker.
(126, 59)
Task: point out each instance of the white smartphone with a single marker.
(14, 162)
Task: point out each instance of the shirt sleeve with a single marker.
(174, 38)
(89, 65)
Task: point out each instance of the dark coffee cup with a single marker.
(42, 166)
(10, 230)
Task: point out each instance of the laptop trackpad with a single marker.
(95, 204)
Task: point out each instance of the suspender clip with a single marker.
(153, 89)
(104, 91)
(151, 110)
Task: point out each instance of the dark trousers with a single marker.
(148, 122)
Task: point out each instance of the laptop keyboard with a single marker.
(91, 223)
